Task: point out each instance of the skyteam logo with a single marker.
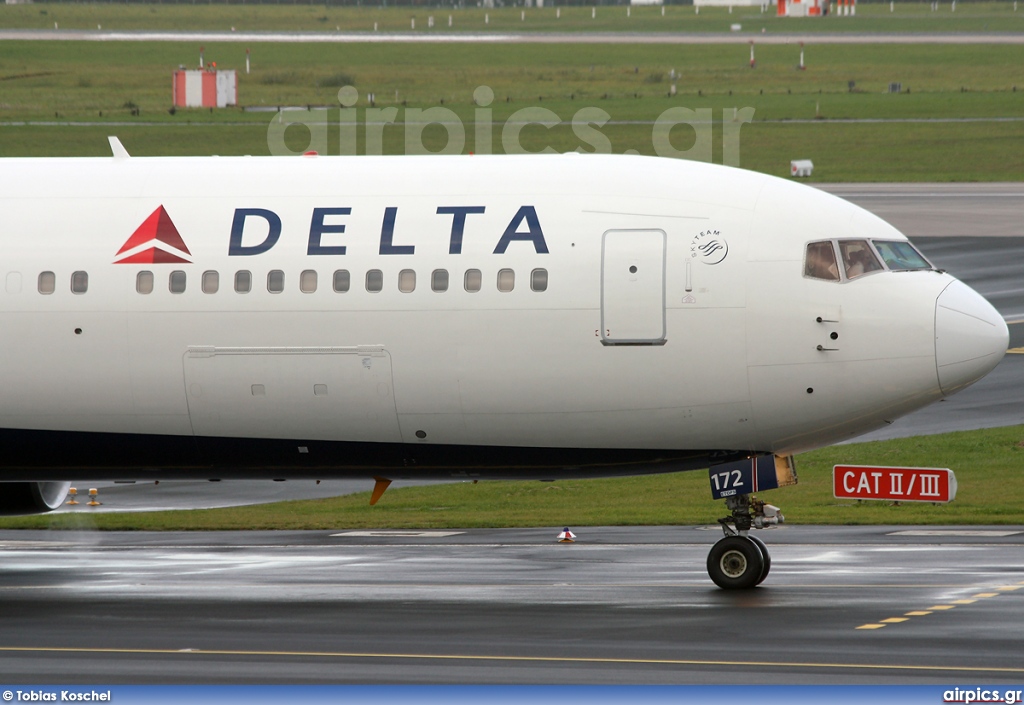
(156, 241)
(709, 247)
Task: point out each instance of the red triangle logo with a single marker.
(157, 228)
(153, 256)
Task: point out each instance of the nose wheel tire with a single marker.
(767, 558)
(737, 563)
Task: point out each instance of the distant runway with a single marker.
(202, 494)
(510, 38)
(922, 210)
(623, 605)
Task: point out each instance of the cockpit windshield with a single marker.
(844, 260)
(820, 262)
(900, 255)
(858, 259)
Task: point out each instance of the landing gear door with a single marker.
(633, 287)
(756, 474)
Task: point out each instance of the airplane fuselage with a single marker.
(535, 316)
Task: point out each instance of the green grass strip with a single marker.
(223, 17)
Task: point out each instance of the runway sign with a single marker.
(893, 484)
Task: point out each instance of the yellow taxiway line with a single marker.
(1001, 590)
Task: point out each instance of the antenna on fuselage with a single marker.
(117, 148)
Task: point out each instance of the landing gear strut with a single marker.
(740, 561)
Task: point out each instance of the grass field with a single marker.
(63, 98)
(871, 17)
(987, 464)
(853, 152)
(78, 80)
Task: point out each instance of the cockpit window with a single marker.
(900, 255)
(858, 259)
(820, 262)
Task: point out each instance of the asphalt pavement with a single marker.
(622, 605)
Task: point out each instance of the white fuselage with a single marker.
(623, 303)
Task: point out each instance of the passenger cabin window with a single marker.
(307, 281)
(243, 281)
(406, 281)
(342, 281)
(176, 282)
(439, 280)
(820, 262)
(900, 255)
(539, 280)
(374, 281)
(275, 281)
(79, 282)
(144, 282)
(506, 280)
(858, 259)
(47, 282)
(211, 282)
(473, 280)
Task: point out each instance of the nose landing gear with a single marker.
(737, 563)
(740, 561)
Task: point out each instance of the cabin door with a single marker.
(633, 287)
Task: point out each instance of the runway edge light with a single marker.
(566, 536)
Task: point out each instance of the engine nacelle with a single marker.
(31, 497)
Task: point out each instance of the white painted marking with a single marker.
(412, 534)
(838, 556)
(521, 38)
(956, 532)
(35, 544)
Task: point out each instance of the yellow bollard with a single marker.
(73, 493)
(93, 497)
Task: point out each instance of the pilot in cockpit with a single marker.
(858, 258)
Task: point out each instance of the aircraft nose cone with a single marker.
(970, 337)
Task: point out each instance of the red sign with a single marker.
(893, 484)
